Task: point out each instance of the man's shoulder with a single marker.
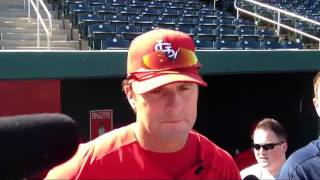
(206, 143)
(213, 157)
(303, 163)
(305, 153)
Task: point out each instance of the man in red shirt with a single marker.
(162, 89)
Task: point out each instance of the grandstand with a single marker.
(112, 24)
(253, 68)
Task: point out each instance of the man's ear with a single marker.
(130, 96)
(285, 146)
(316, 105)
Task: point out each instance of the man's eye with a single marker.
(156, 91)
(185, 87)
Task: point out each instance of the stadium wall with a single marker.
(94, 64)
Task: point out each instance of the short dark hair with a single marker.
(316, 84)
(273, 125)
(125, 82)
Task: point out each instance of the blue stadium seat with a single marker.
(118, 3)
(292, 45)
(137, 4)
(97, 32)
(128, 11)
(225, 44)
(267, 44)
(225, 15)
(245, 44)
(223, 21)
(154, 4)
(114, 43)
(175, 4)
(267, 35)
(76, 9)
(95, 2)
(210, 22)
(185, 29)
(203, 44)
(147, 11)
(164, 22)
(190, 5)
(244, 24)
(85, 20)
(208, 13)
(129, 32)
(190, 13)
(67, 4)
(207, 20)
(245, 32)
(117, 20)
(105, 9)
(186, 22)
(140, 21)
(226, 31)
(173, 13)
(147, 28)
(205, 33)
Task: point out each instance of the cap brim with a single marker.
(144, 86)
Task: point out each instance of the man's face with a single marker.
(273, 158)
(169, 111)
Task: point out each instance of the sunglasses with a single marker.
(266, 147)
(159, 60)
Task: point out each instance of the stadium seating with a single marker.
(210, 28)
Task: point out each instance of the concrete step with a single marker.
(21, 4)
(24, 13)
(6, 19)
(12, 24)
(74, 44)
(29, 30)
(23, 36)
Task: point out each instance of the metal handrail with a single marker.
(40, 19)
(278, 21)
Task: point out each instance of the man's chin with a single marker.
(174, 133)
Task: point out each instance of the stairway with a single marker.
(16, 33)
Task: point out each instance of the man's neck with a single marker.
(158, 144)
(274, 171)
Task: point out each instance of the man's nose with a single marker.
(174, 102)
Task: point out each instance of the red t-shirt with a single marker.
(118, 155)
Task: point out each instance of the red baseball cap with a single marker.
(160, 57)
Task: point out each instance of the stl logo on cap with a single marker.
(166, 48)
(166, 57)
